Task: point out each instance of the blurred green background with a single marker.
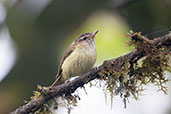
(35, 33)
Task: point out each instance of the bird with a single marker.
(78, 59)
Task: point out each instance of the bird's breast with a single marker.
(80, 61)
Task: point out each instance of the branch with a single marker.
(148, 60)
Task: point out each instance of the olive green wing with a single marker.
(66, 54)
(59, 74)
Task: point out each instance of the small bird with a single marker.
(78, 59)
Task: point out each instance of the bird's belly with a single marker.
(79, 62)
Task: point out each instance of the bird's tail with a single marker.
(58, 81)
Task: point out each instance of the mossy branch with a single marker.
(123, 76)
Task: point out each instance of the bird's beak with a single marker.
(94, 33)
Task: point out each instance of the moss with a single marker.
(126, 77)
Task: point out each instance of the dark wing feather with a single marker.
(66, 54)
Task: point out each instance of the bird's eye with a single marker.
(85, 38)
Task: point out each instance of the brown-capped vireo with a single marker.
(78, 59)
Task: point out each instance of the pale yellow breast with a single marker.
(80, 61)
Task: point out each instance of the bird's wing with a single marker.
(66, 54)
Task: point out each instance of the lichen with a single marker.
(126, 77)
